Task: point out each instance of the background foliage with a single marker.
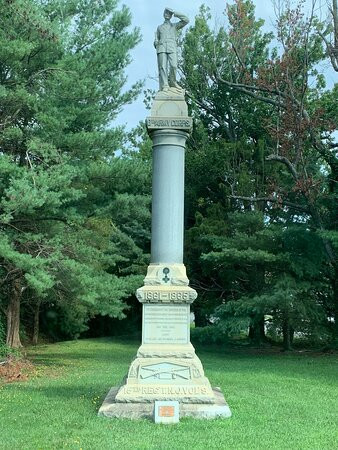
(261, 174)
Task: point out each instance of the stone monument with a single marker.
(166, 367)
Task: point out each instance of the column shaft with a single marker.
(168, 196)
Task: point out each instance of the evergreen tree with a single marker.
(64, 236)
(261, 153)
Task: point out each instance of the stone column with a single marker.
(166, 366)
(168, 196)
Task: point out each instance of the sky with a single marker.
(147, 15)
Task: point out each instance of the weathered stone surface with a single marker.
(166, 351)
(171, 94)
(170, 103)
(110, 408)
(166, 275)
(174, 378)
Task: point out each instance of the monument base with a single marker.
(111, 408)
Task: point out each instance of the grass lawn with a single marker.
(278, 401)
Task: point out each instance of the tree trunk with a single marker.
(13, 316)
(335, 318)
(287, 335)
(257, 332)
(292, 335)
(200, 317)
(36, 323)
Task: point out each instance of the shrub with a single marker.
(211, 334)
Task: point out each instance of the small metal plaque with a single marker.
(166, 411)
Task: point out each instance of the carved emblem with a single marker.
(164, 371)
(196, 372)
(132, 371)
(166, 278)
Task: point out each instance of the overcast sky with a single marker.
(147, 15)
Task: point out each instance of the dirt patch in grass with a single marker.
(15, 369)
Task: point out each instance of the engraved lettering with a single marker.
(166, 324)
(169, 123)
(165, 390)
(156, 296)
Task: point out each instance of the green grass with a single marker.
(279, 401)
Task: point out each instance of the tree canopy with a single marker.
(66, 234)
(262, 215)
(261, 173)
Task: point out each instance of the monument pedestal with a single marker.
(134, 411)
(166, 366)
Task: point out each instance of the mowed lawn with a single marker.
(278, 401)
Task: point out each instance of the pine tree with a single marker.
(262, 155)
(63, 237)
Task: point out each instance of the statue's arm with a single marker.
(157, 38)
(183, 20)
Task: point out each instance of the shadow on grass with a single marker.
(85, 396)
(230, 361)
(100, 352)
(76, 356)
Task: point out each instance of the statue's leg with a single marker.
(162, 60)
(172, 59)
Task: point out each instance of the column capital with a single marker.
(166, 137)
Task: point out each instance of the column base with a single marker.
(166, 274)
(170, 372)
(139, 410)
(166, 367)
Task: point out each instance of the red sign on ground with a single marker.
(166, 411)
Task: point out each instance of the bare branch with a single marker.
(249, 90)
(331, 51)
(209, 110)
(37, 219)
(47, 70)
(271, 200)
(238, 57)
(10, 118)
(285, 161)
(332, 48)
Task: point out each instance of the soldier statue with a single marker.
(166, 48)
